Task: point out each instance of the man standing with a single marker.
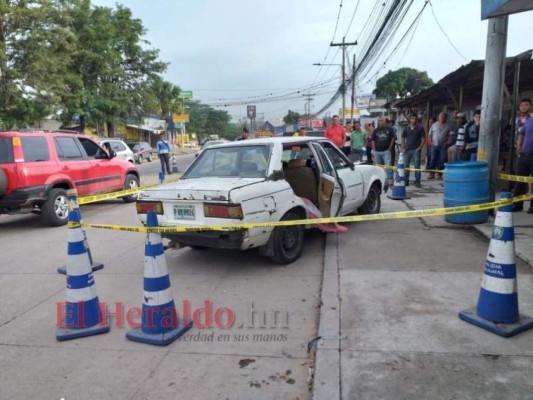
(471, 137)
(358, 141)
(163, 149)
(383, 139)
(413, 140)
(335, 132)
(524, 109)
(457, 134)
(244, 134)
(439, 132)
(524, 163)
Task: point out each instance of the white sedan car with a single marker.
(263, 180)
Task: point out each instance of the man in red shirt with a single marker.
(335, 132)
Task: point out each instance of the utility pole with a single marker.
(343, 44)
(492, 97)
(309, 97)
(353, 86)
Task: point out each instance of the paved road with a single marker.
(247, 361)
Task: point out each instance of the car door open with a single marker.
(330, 191)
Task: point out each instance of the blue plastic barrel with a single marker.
(466, 183)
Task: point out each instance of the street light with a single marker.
(343, 89)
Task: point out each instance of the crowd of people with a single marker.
(445, 141)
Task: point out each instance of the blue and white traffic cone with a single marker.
(74, 207)
(398, 190)
(161, 177)
(497, 307)
(81, 314)
(160, 323)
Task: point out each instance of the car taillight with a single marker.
(223, 211)
(18, 154)
(144, 206)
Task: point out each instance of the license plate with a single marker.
(184, 212)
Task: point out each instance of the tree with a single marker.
(115, 69)
(291, 117)
(402, 82)
(35, 54)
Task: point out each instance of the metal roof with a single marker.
(470, 78)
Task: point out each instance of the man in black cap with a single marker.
(244, 134)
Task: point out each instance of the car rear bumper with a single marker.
(214, 239)
(23, 197)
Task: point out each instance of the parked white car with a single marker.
(261, 180)
(121, 149)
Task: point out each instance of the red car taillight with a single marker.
(18, 154)
(144, 206)
(223, 211)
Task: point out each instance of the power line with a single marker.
(444, 32)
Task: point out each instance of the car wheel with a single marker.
(55, 209)
(287, 241)
(149, 158)
(372, 204)
(131, 182)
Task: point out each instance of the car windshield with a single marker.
(239, 161)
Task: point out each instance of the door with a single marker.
(73, 163)
(330, 190)
(350, 178)
(106, 173)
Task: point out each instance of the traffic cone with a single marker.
(497, 307)
(398, 190)
(160, 323)
(81, 315)
(174, 165)
(74, 207)
(161, 177)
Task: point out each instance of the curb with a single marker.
(327, 379)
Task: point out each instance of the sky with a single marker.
(247, 51)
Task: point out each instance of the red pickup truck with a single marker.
(37, 168)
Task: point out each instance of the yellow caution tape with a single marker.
(121, 193)
(501, 176)
(351, 218)
(515, 178)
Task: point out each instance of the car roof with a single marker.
(45, 133)
(270, 140)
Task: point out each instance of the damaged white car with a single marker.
(263, 180)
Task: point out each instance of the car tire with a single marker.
(287, 241)
(55, 209)
(372, 203)
(130, 182)
(149, 158)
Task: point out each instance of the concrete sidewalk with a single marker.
(391, 295)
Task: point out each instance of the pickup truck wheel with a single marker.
(131, 182)
(55, 209)
(287, 241)
(372, 204)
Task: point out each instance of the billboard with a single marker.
(180, 118)
(497, 8)
(250, 112)
(348, 113)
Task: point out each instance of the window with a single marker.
(117, 146)
(327, 168)
(92, 149)
(298, 152)
(35, 148)
(238, 161)
(67, 149)
(6, 150)
(335, 155)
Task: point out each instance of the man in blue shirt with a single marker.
(163, 150)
